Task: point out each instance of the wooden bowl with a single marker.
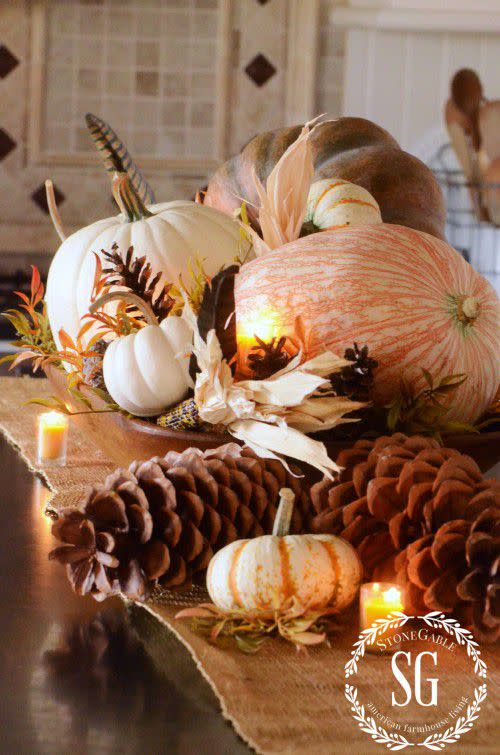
(125, 439)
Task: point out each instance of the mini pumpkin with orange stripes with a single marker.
(273, 573)
(334, 203)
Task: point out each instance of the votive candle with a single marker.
(377, 600)
(263, 324)
(53, 430)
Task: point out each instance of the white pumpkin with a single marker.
(170, 234)
(334, 203)
(264, 575)
(147, 371)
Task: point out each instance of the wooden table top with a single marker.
(103, 695)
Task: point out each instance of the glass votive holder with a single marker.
(53, 429)
(376, 601)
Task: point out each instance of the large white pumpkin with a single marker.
(265, 574)
(170, 234)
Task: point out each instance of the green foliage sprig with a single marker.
(426, 411)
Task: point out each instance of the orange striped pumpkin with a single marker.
(334, 203)
(411, 297)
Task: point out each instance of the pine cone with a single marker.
(424, 515)
(355, 380)
(162, 520)
(457, 570)
(267, 358)
(136, 275)
(92, 366)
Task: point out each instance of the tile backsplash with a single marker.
(149, 68)
(120, 64)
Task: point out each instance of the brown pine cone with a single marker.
(163, 519)
(422, 514)
(457, 570)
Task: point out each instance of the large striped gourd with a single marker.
(409, 296)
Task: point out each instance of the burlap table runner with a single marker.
(279, 701)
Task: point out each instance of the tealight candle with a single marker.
(377, 600)
(264, 325)
(52, 438)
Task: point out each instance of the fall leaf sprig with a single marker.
(121, 323)
(58, 405)
(35, 341)
(31, 325)
(249, 632)
(426, 411)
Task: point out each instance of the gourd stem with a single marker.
(141, 305)
(467, 309)
(283, 518)
(54, 212)
(127, 198)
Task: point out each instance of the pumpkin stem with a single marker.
(467, 309)
(284, 514)
(141, 305)
(127, 198)
(54, 212)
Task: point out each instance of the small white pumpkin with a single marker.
(171, 234)
(148, 371)
(264, 575)
(334, 203)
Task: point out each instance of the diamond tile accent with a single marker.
(7, 144)
(40, 199)
(260, 70)
(8, 61)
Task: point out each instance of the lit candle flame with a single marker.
(392, 595)
(53, 419)
(264, 324)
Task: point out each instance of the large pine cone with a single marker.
(423, 514)
(162, 519)
(457, 570)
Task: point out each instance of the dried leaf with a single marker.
(283, 201)
(249, 631)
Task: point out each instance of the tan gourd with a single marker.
(353, 149)
(270, 573)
